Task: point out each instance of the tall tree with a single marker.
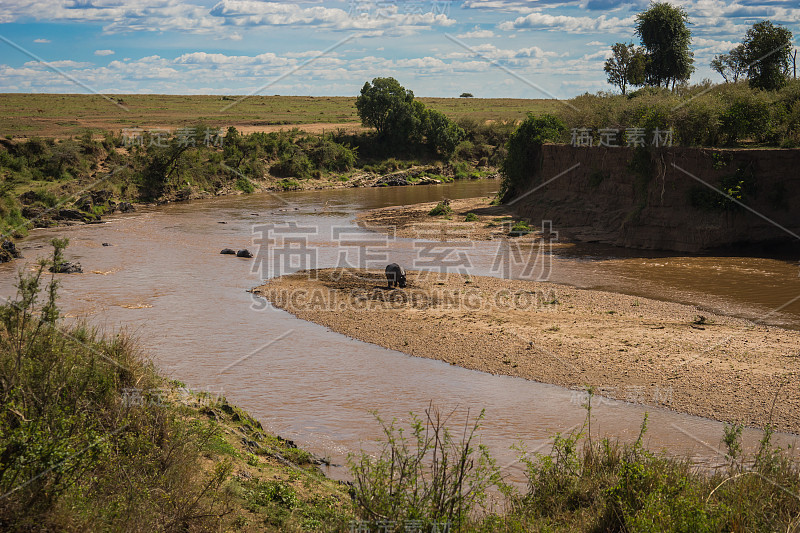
(386, 106)
(768, 48)
(664, 34)
(626, 66)
(732, 65)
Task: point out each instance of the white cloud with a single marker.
(490, 51)
(104, 52)
(176, 15)
(538, 21)
(65, 63)
(41, 40)
(711, 46)
(602, 54)
(498, 5)
(477, 33)
(391, 18)
(595, 43)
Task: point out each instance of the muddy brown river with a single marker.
(164, 280)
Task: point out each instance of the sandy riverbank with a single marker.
(490, 222)
(629, 348)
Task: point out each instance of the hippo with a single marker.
(395, 274)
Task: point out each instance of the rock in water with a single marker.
(67, 267)
(228, 251)
(244, 253)
(8, 251)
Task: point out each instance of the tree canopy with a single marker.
(664, 34)
(391, 109)
(626, 66)
(731, 66)
(385, 105)
(767, 50)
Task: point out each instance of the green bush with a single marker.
(245, 185)
(442, 208)
(524, 152)
(730, 114)
(331, 156)
(294, 165)
(471, 217)
(288, 184)
(425, 473)
(442, 134)
(461, 170)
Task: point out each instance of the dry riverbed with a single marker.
(629, 348)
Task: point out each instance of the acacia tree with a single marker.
(664, 34)
(386, 106)
(768, 49)
(626, 66)
(731, 66)
(391, 109)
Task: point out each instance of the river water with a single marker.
(163, 280)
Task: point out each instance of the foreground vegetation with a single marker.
(433, 474)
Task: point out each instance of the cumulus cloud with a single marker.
(391, 18)
(202, 72)
(518, 6)
(118, 16)
(544, 21)
(476, 33)
(65, 63)
(490, 51)
(712, 46)
(41, 40)
(104, 52)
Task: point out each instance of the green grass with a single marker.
(520, 228)
(62, 115)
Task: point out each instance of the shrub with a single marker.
(429, 475)
(244, 185)
(288, 184)
(294, 165)
(461, 170)
(471, 217)
(441, 133)
(330, 156)
(442, 208)
(524, 152)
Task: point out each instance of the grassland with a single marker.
(63, 115)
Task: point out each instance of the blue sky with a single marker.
(548, 48)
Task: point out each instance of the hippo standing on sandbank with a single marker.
(395, 274)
